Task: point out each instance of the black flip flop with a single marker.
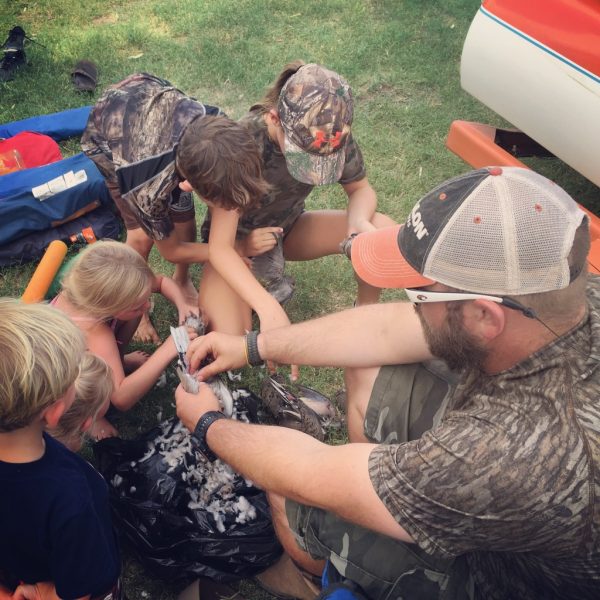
(85, 76)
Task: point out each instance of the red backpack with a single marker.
(26, 150)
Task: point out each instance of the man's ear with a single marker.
(54, 412)
(484, 319)
(185, 186)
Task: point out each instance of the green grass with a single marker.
(400, 56)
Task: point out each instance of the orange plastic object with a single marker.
(10, 162)
(44, 274)
(474, 143)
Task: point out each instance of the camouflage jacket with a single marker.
(131, 135)
(510, 478)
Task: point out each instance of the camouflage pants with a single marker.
(406, 401)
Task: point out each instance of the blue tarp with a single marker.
(59, 126)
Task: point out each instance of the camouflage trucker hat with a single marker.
(504, 231)
(316, 108)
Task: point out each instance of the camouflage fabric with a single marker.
(284, 203)
(131, 135)
(268, 268)
(316, 110)
(509, 478)
(406, 401)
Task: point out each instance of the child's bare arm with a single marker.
(228, 263)
(176, 251)
(171, 291)
(129, 389)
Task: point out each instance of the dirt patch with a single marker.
(108, 19)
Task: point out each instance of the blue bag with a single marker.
(59, 126)
(336, 587)
(41, 198)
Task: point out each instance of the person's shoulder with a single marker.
(254, 122)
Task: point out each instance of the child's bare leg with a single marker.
(142, 244)
(186, 232)
(124, 333)
(224, 310)
(318, 233)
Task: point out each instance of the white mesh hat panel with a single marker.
(511, 236)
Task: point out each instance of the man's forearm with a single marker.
(367, 336)
(296, 466)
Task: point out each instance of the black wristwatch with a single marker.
(201, 429)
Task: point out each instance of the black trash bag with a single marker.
(178, 537)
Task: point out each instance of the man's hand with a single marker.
(190, 407)
(228, 352)
(259, 241)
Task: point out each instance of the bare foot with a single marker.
(145, 333)
(134, 360)
(102, 429)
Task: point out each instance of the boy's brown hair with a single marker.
(41, 349)
(221, 161)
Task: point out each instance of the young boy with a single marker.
(57, 538)
(154, 144)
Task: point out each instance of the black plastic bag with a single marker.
(151, 509)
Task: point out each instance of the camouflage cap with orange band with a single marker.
(316, 109)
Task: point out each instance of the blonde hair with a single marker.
(107, 278)
(40, 350)
(93, 389)
(271, 97)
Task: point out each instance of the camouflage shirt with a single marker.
(510, 478)
(285, 201)
(131, 135)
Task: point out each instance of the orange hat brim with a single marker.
(377, 260)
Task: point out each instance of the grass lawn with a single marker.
(400, 56)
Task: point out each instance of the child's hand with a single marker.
(192, 333)
(260, 240)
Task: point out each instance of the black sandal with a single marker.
(85, 76)
(14, 53)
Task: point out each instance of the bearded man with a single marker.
(476, 462)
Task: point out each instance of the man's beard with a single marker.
(457, 347)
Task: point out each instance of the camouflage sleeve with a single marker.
(354, 169)
(472, 484)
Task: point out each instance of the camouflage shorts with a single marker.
(406, 401)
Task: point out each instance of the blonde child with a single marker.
(57, 535)
(93, 390)
(105, 293)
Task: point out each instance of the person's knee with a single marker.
(139, 241)
(288, 537)
(380, 220)
(359, 387)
